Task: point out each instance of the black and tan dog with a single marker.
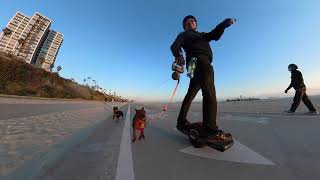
(117, 113)
(139, 123)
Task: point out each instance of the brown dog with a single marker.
(139, 123)
(117, 113)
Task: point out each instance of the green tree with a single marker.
(51, 67)
(59, 68)
(7, 31)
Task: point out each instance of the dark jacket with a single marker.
(296, 80)
(194, 42)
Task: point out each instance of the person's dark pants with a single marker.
(203, 79)
(301, 95)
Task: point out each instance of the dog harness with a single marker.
(140, 124)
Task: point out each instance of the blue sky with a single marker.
(124, 44)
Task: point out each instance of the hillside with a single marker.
(23, 79)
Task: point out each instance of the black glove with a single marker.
(180, 60)
(228, 22)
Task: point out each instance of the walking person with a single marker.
(297, 83)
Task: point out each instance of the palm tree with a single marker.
(41, 61)
(51, 67)
(58, 69)
(88, 80)
(7, 31)
(21, 41)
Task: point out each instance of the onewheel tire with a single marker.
(194, 138)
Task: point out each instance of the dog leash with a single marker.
(166, 107)
(175, 90)
(172, 96)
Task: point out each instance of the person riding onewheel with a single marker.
(199, 58)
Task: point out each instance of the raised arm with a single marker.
(217, 32)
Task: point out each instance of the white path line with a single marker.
(125, 162)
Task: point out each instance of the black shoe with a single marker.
(219, 137)
(206, 132)
(288, 112)
(183, 126)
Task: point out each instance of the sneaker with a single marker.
(288, 112)
(312, 113)
(183, 127)
(219, 137)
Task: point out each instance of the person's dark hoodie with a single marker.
(197, 43)
(297, 81)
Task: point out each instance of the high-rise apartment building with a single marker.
(30, 39)
(49, 50)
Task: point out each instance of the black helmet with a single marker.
(292, 67)
(185, 19)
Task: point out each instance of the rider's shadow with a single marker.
(170, 135)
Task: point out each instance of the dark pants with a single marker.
(301, 95)
(203, 79)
